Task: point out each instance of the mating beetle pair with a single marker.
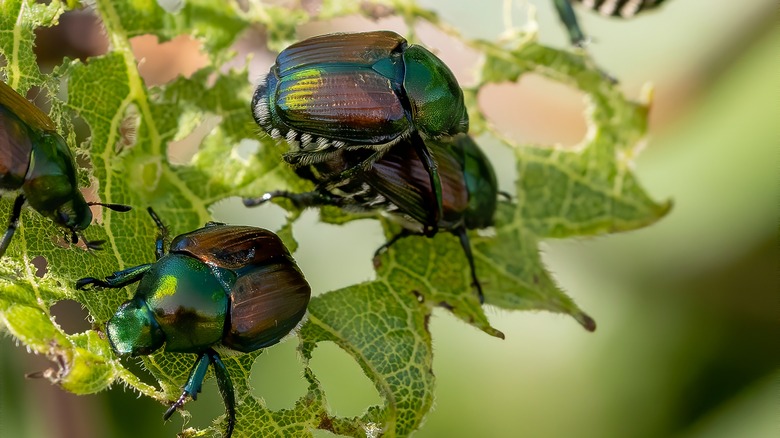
(354, 109)
(230, 286)
(360, 91)
(36, 159)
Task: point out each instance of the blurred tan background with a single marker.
(688, 309)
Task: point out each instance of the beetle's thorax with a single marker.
(188, 301)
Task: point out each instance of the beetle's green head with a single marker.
(50, 184)
(434, 93)
(133, 329)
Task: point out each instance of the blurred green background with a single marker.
(688, 310)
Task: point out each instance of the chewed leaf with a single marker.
(381, 324)
(385, 330)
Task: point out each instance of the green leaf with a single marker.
(382, 324)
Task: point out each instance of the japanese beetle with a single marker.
(36, 159)
(218, 286)
(615, 8)
(398, 184)
(348, 91)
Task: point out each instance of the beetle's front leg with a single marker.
(195, 384)
(117, 279)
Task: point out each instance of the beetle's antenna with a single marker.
(90, 244)
(159, 246)
(116, 207)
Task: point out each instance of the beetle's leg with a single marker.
(464, 242)
(225, 386)
(505, 195)
(159, 244)
(12, 223)
(301, 200)
(194, 383)
(566, 14)
(117, 279)
(430, 166)
(362, 165)
(396, 238)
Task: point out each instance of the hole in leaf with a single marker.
(181, 150)
(336, 256)
(70, 316)
(252, 43)
(171, 6)
(348, 389)
(79, 34)
(82, 131)
(277, 376)
(160, 63)
(535, 110)
(233, 211)
(246, 148)
(41, 266)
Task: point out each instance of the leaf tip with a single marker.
(665, 208)
(586, 321)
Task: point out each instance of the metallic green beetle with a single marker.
(351, 91)
(231, 286)
(615, 8)
(36, 159)
(398, 184)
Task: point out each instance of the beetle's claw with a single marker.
(179, 403)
